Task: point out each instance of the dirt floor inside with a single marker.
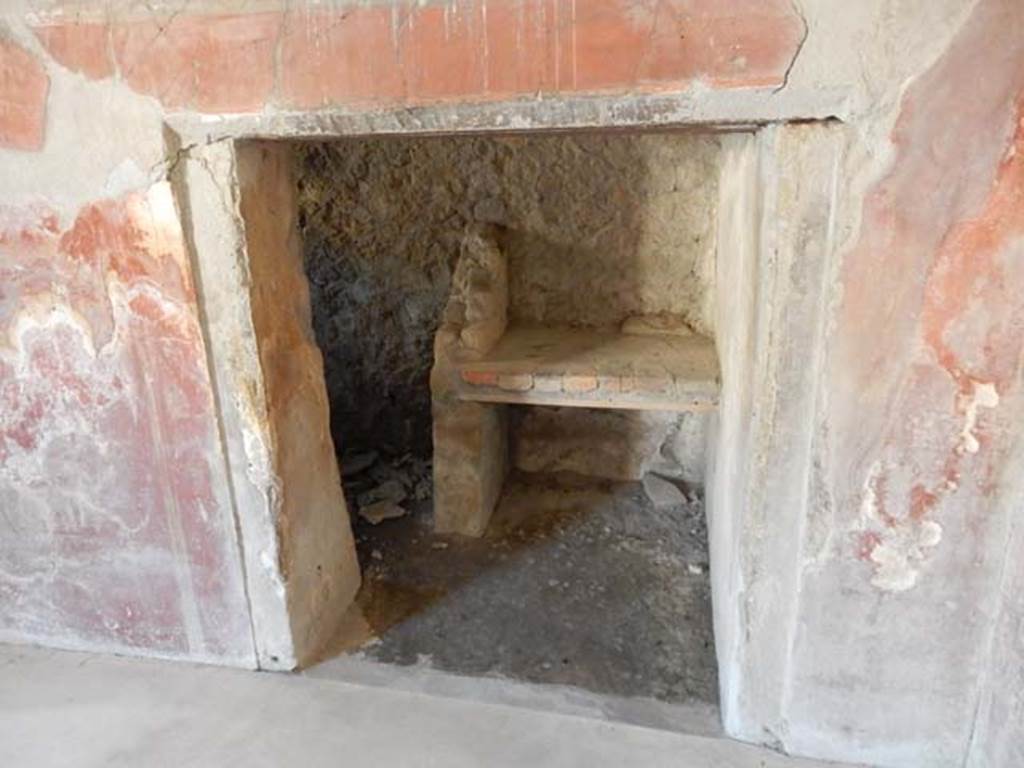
(578, 582)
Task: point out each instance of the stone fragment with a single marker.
(360, 462)
(683, 456)
(380, 511)
(480, 284)
(662, 492)
(390, 490)
(423, 487)
(383, 471)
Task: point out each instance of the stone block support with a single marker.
(470, 458)
(299, 554)
(470, 439)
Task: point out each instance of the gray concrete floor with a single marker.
(578, 582)
(61, 709)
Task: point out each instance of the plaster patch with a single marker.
(897, 555)
(41, 312)
(269, 561)
(126, 177)
(895, 546)
(984, 395)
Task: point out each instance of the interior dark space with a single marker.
(593, 571)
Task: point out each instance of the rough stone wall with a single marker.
(596, 227)
(381, 240)
(617, 445)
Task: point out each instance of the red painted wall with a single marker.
(23, 89)
(118, 531)
(414, 53)
(113, 532)
(924, 406)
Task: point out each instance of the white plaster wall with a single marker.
(208, 189)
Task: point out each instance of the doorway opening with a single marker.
(568, 412)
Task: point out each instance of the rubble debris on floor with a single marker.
(383, 487)
(577, 582)
(663, 493)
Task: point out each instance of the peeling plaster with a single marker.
(984, 395)
(896, 546)
(106, 500)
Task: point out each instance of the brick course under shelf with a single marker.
(595, 369)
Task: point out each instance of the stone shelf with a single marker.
(594, 369)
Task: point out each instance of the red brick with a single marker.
(480, 378)
(24, 85)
